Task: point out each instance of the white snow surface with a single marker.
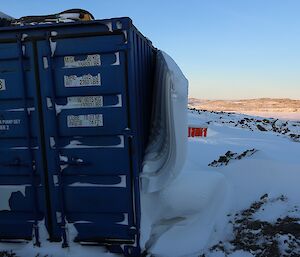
(165, 154)
(190, 215)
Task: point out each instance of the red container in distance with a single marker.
(197, 132)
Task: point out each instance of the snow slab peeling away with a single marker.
(166, 151)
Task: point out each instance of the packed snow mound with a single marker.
(186, 211)
(166, 152)
(224, 175)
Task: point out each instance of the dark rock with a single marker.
(260, 127)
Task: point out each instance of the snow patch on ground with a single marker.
(273, 168)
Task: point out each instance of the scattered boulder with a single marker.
(260, 127)
(225, 159)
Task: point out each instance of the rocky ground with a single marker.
(260, 105)
(230, 156)
(262, 238)
(252, 233)
(290, 129)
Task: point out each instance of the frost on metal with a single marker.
(165, 154)
(53, 43)
(125, 221)
(52, 142)
(109, 26)
(117, 62)
(77, 144)
(45, 62)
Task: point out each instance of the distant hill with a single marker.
(266, 107)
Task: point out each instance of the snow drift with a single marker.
(166, 151)
(186, 201)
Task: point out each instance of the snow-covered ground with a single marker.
(237, 195)
(197, 214)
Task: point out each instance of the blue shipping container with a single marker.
(75, 110)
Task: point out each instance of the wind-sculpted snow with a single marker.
(262, 167)
(197, 211)
(166, 150)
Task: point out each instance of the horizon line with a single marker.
(241, 99)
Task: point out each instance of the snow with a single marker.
(185, 212)
(53, 43)
(189, 207)
(188, 204)
(166, 151)
(77, 144)
(117, 62)
(192, 214)
(55, 249)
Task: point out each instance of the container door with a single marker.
(83, 83)
(21, 190)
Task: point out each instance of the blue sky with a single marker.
(227, 49)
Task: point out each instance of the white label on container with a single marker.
(90, 61)
(2, 85)
(82, 81)
(85, 101)
(89, 120)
